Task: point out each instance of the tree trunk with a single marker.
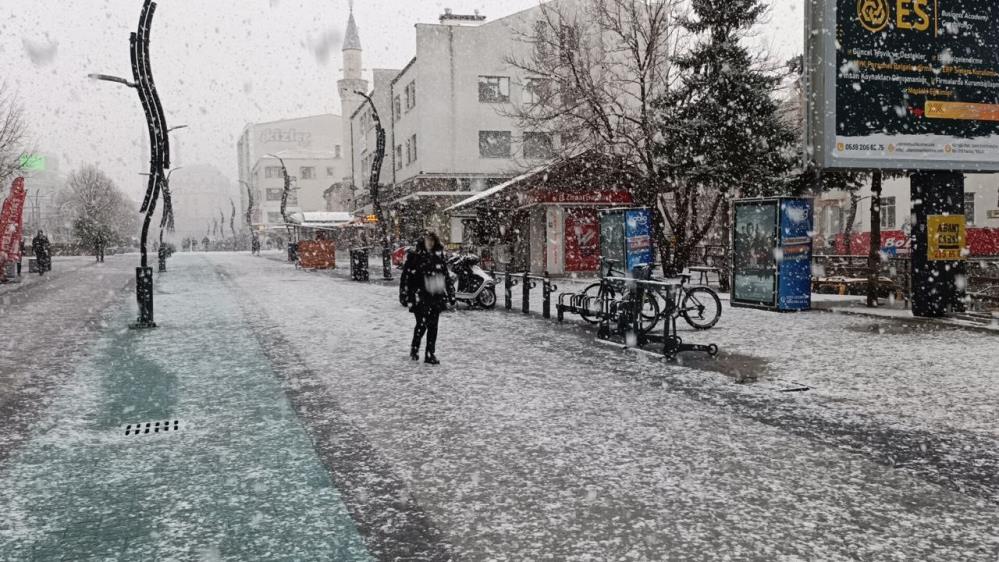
(848, 227)
(874, 252)
(725, 266)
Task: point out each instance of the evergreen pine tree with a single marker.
(722, 128)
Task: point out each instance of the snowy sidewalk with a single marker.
(531, 441)
(237, 477)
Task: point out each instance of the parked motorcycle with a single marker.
(473, 285)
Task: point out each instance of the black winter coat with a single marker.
(425, 283)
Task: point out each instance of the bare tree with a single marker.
(597, 70)
(12, 133)
(101, 213)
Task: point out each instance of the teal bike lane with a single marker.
(234, 477)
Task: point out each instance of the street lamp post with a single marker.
(284, 205)
(159, 145)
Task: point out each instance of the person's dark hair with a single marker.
(433, 236)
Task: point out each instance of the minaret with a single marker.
(352, 82)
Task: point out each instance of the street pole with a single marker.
(375, 188)
(874, 251)
(159, 146)
(284, 205)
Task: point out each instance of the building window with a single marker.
(538, 146)
(494, 89)
(330, 172)
(887, 212)
(410, 95)
(397, 108)
(398, 157)
(412, 141)
(337, 151)
(969, 208)
(494, 144)
(307, 173)
(275, 195)
(533, 91)
(409, 152)
(275, 218)
(273, 172)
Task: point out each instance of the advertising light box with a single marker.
(903, 84)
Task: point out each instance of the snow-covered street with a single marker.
(305, 432)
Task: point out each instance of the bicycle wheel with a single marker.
(650, 313)
(701, 308)
(595, 290)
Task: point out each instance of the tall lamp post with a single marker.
(249, 215)
(284, 205)
(159, 145)
(375, 187)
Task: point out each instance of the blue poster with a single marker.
(638, 238)
(795, 255)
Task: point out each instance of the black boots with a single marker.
(414, 354)
(431, 359)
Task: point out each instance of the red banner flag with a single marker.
(11, 223)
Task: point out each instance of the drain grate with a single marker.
(152, 427)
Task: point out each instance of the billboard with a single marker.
(794, 291)
(903, 84)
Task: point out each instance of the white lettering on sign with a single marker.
(290, 136)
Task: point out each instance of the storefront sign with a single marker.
(946, 237)
(905, 84)
(591, 197)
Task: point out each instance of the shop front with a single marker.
(547, 220)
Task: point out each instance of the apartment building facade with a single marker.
(450, 120)
(312, 150)
(832, 216)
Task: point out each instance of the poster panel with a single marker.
(910, 84)
(795, 256)
(946, 237)
(612, 237)
(755, 242)
(582, 240)
(638, 237)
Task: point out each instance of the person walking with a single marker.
(426, 288)
(42, 248)
(99, 244)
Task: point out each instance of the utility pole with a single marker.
(874, 252)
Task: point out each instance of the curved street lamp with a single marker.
(159, 146)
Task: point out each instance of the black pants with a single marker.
(426, 323)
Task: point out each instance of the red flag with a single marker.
(11, 223)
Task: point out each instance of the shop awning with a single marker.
(496, 189)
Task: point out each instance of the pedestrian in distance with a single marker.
(99, 244)
(42, 248)
(426, 288)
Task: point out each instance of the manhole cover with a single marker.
(152, 427)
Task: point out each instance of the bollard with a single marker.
(386, 264)
(546, 294)
(507, 290)
(526, 303)
(144, 296)
(162, 255)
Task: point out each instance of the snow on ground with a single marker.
(532, 441)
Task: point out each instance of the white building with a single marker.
(312, 151)
(450, 120)
(832, 211)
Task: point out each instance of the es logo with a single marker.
(909, 14)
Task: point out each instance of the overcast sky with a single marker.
(219, 64)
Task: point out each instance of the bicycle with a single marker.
(613, 289)
(699, 306)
